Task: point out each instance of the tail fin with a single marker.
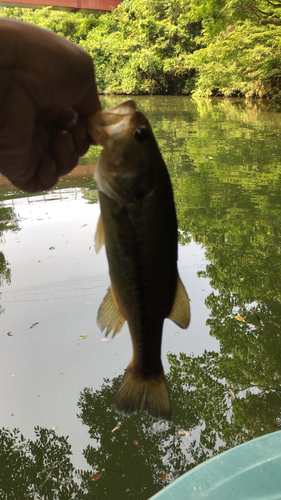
(151, 395)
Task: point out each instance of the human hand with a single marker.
(47, 91)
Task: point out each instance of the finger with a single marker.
(89, 103)
(43, 179)
(64, 117)
(64, 152)
(46, 174)
(79, 135)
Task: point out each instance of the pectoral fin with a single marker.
(180, 312)
(99, 236)
(109, 316)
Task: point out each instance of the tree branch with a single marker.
(270, 18)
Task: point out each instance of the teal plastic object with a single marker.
(249, 471)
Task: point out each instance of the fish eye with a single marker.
(142, 134)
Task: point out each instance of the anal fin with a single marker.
(180, 312)
(109, 316)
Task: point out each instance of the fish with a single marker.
(138, 226)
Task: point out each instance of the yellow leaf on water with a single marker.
(82, 337)
(181, 432)
(239, 318)
(117, 427)
(164, 476)
(96, 476)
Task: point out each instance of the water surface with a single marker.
(59, 374)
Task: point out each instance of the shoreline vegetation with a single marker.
(204, 48)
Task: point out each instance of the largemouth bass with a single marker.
(138, 225)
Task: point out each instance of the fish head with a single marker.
(127, 167)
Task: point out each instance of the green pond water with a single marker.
(60, 437)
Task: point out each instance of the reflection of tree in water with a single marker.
(136, 456)
(5, 271)
(127, 459)
(222, 399)
(36, 469)
(235, 393)
(133, 457)
(7, 214)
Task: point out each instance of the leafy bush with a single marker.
(210, 47)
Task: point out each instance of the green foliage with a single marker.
(212, 47)
(242, 48)
(139, 48)
(75, 27)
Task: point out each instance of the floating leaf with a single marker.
(239, 318)
(117, 427)
(96, 476)
(182, 432)
(52, 248)
(34, 324)
(164, 476)
(276, 324)
(136, 442)
(232, 393)
(9, 334)
(83, 337)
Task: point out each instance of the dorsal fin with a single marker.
(99, 236)
(109, 316)
(180, 312)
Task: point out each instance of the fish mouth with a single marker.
(125, 108)
(105, 124)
